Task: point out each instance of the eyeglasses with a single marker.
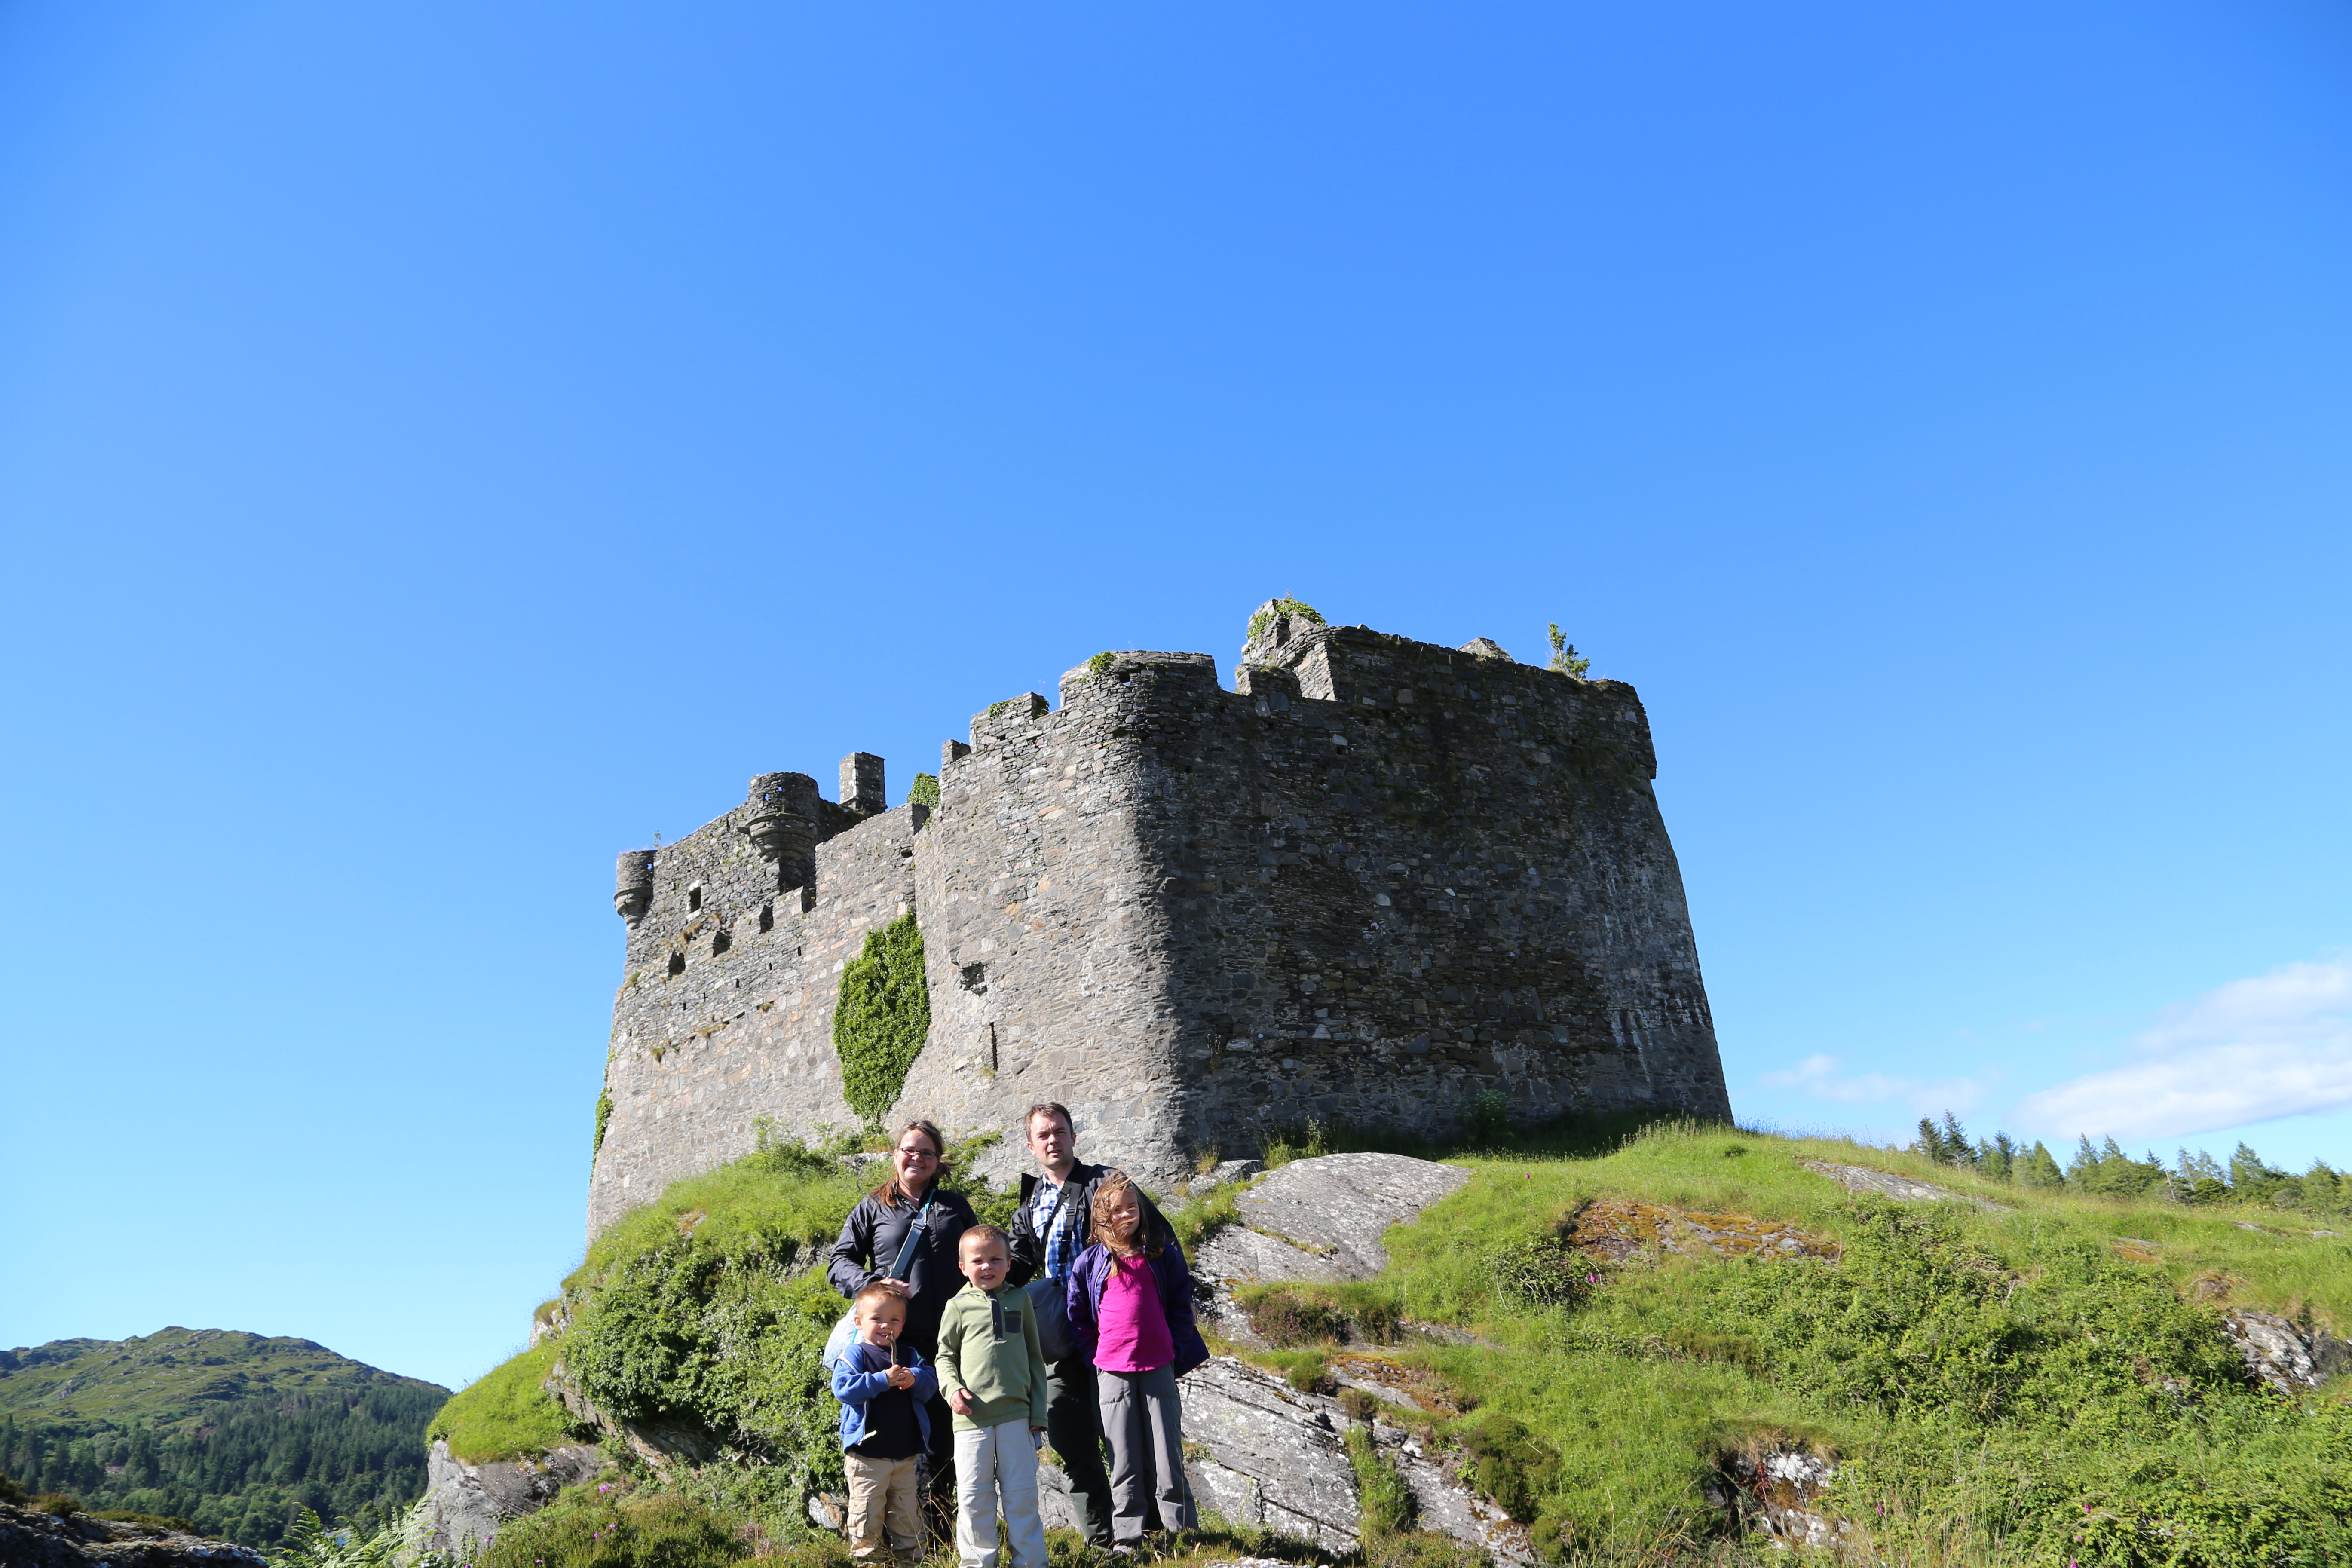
(918, 1153)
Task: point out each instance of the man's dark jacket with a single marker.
(1078, 1199)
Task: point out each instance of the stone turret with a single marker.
(780, 822)
(632, 888)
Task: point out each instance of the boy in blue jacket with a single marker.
(884, 1388)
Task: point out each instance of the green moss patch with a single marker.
(882, 1018)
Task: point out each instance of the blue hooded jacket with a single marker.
(856, 1389)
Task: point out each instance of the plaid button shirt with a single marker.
(1059, 1248)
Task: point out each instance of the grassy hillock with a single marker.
(1633, 1314)
(2043, 1384)
(231, 1431)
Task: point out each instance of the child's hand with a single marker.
(961, 1402)
(901, 1376)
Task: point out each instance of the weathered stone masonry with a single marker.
(1381, 877)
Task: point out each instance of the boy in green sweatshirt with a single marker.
(994, 1375)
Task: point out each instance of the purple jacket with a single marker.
(1084, 1302)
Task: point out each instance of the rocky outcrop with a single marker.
(1267, 1454)
(33, 1540)
(1274, 1458)
(2282, 1352)
(466, 1502)
(1321, 1219)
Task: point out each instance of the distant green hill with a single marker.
(228, 1429)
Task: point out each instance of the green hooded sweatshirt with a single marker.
(988, 1343)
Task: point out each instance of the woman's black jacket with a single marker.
(870, 1239)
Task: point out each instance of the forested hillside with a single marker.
(231, 1431)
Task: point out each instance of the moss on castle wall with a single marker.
(882, 1018)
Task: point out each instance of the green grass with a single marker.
(1996, 1384)
(781, 1203)
(505, 1414)
(625, 1527)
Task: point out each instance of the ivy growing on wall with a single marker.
(603, 1119)
(882, 1016)
(924, 790)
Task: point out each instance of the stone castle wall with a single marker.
(1380, 878)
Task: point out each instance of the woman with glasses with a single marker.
(903, 1236)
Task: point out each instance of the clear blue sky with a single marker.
(442, 445)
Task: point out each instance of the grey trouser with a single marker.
(997, 1464)
(1074, 1427)
(1144, 1422)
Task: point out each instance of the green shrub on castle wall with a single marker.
(924, 790)
(884, 1014)
(603, 1119)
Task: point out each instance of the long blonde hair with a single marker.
(1113, 1186)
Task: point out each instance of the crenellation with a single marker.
(1374, 881)
(861, 783)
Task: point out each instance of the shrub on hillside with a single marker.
(586, 1529)
(1542, 1271)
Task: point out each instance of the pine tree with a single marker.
(2039, 1168)
(1564, 656)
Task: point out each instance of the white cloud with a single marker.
(1824, 1077)
(2277, 1045)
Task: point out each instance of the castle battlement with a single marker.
(1374, 881)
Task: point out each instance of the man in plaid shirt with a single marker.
(1049, 1231)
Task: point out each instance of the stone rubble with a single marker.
(1775, 1492)
(31, 1538)
(2282, 1353)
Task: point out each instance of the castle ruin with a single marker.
(1375, 880)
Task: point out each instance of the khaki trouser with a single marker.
(883, 1498)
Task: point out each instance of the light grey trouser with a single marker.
(993, 1461)
(1144, 1423)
